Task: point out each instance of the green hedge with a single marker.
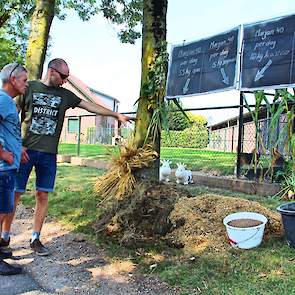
(194, 137)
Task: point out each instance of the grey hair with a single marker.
(11, 70)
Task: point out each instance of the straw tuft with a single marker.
(119, 181)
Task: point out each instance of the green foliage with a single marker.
(176, 119)
(154, 87)
(153, 90)
(197, 119)
(124, 12)
(194, 137)
(17, 10)
(22, 10)
(288, 185)
(282, 104)
(14, 18)
(10, 50)
(84, 8)
(287, 180)
(179, 120)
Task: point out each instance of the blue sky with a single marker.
(96, 56)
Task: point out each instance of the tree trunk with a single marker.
(38, 39)
(153, 36)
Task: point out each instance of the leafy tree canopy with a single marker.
(23, 9)
(15, 17)
(19, 10)
(176, 119)
(197, 119)
(84, 8)
(10, 50)
(127, 14)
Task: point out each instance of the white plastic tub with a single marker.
(245, 237)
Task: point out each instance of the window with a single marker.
(73, 125)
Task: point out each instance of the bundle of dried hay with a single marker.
(198, 222)
(119, 181)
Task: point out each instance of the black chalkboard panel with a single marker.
(268, 54)
(207, 65)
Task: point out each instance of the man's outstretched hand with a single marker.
(123, 118)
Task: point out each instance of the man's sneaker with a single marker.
(8, 270)
(38, 248)
(4, 243)
(5, 254)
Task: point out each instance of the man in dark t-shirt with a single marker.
(43, 110)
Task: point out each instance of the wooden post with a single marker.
(79, 136)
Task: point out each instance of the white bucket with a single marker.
(246, 237)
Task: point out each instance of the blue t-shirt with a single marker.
(10, 134)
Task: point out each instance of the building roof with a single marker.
(86, 93)
(99, 93)
(247, 117)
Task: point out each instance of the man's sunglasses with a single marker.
(63, 76)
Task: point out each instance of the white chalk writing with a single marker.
(271, 44)
(216, 45)
(188, 53)
(221, 63)
(263, 34)
(188, 72)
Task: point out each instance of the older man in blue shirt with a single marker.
(14, 82)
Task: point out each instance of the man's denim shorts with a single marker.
(7, 179)
(45, 169)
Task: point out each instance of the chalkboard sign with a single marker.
(204, 66)
(268, 54)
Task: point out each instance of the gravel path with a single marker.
(76, 266)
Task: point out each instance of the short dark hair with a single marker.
(57, 63)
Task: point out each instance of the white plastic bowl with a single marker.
(246, 237)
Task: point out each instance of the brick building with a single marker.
(93, 128)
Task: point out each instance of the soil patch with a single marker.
(143, 217)
(76, 266)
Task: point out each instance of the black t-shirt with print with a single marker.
(43, 110)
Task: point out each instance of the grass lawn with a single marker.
(195, 159)
(267, 269)
(86, 150)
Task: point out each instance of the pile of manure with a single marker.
(158, 211)
(198, 222)
(142, 217)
